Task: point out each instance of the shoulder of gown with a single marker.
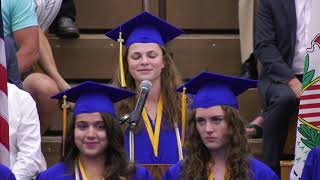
(57, 171)
(141, 174)
(173, 172)
(311, 167)
(5, 173)
(260, 170)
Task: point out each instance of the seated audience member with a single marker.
(95, 143)
(23, 27)
(5, 173)
(147, 58)
(311, 170)
(216, 146)
(26, 158)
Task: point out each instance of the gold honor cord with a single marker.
(210, 174)
(64, 130)
(154, 136)
(82, 171)
(122, 79)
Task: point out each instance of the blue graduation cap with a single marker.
(94, 97)
(145, 28)
(214, 89)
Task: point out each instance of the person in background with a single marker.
(216, 145)
(21, 25)
(95, 143)
(26, 158)
(280, 47)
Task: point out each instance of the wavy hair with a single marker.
(117, 165)
(197, 153)
(170, 80)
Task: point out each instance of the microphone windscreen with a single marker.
(146, 84)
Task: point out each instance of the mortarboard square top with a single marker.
(145, 28)
(214, 89)
(94, 97)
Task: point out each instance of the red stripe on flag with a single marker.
(4, 138)
(312, 96)
(309, 115)
(306, 106)
(3, 82)
(314, 87)
(317, 123)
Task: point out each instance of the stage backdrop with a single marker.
(308, 127)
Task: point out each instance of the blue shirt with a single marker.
(18, 14)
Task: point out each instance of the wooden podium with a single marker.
(157, 170)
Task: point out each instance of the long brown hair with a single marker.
(197, 155)
(170, 80)
(117, 165)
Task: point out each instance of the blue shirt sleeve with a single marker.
(18, 14)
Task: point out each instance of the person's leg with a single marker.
(48, 64)
(42, 87)
(64, 24)
(246, 11)
(280, 105)
(68, 9)
(47, 11)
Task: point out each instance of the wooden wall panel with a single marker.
(107, 14)
(214, 53)
(96, 56)
(203, 14)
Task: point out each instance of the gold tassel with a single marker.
(183, 113)
(64, 132)
(122, 78)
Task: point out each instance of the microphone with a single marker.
(145, 87)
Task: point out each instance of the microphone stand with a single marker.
(132, 125)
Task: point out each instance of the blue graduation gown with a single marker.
(167, 150)
(259, 170)
(6, 174)
(311, 170)
(59, 172)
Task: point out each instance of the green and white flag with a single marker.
(308, 126)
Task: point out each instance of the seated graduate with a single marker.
(5, 173)
(311, 169)
(216, 146)
(157, 136)
(95, 143)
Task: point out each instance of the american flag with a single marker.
(4, 127)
